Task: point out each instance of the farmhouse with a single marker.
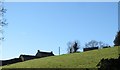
(27, 57)
(39, 54)
(90, 48)
(93, 48)
(11, 61)
(44, 54)
(22, 58)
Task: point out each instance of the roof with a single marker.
(45, 52)
(27, 56)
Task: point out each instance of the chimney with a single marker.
(38, 51)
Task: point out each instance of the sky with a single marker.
(61, 0)
(46, 26)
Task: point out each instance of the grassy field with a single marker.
(87, 59)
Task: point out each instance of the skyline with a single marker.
(47, 26)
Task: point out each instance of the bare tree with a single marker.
(94, 43)
(73, 46)
(2, 20)
(69, 49)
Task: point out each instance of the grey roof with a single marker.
(27, 56)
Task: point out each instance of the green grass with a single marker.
(87, 59)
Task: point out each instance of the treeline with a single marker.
(93, 44)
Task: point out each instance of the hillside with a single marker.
(87, 59)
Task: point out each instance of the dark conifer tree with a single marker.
(117, 39)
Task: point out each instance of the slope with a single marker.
(88, 59)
